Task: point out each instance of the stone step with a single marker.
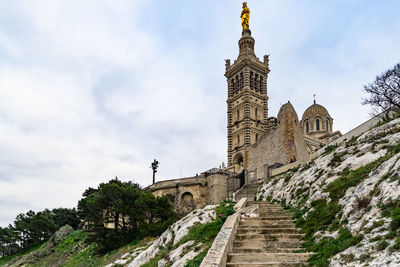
(265, 250)
(264, 203)
(274, 213)
(269, 264)
(269, 237)
(250, 244)
(262, 230)
(273, 224)
(270, 218)
(268, 257)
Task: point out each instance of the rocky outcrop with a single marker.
(172, 236)
(361, 179)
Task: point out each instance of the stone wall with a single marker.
(217, 188)
(279, 146)
(185, 194)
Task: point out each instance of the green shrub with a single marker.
(329, 149)
(375, 224)
(382, 245)
(336, 159)
(396, 245)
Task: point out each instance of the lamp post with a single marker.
(154, 166)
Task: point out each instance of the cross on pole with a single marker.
(154, 166)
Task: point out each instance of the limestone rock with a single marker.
(360, 203)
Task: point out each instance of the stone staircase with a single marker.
(248, 191)
(266, 236)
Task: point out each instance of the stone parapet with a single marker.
(218, 253)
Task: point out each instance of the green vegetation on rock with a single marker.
(202, 234)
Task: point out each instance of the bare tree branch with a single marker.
(384, 92)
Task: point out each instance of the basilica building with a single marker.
(255, 139)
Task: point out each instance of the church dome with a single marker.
(316, 120)
(315, 110)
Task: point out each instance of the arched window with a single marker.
(256, 112)
(317, 124)
(251, 80)
(241, 79)
(236, 84)
(307, 127)
(256, 82)
(256, 137)
(261, 80)
(237, 114)
(327, 125)
(238, 139)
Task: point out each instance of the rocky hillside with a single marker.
(347, 200)
(185, 243)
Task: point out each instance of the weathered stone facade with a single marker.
(247, 99)
(187, 194)
(279, 146)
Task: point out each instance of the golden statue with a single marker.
(245, 16)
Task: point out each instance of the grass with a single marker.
(74, 251)
(328, 247)
(336, 159)
(352, 141)
(9, 258)
(196, 261)
(338, 188)
(376, 224)
(320, 218)
(202, 234)
(392, 210)
(307, 165)
(325, 215)
(387, 119)
(382, 245)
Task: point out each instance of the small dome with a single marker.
(315, 110)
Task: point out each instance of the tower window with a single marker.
(261, 80)
(238, 139)
(237, 114)
(256, 137)
(236, 85)
(241, 79)
(256, 112)
(307, 127)
(327, 125)
(317, 124)
(256, 82)
(251, 80)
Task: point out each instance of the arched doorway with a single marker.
(187, 203)
(238, 162)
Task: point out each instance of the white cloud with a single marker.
(90, 90)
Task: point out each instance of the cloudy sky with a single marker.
(90, 90)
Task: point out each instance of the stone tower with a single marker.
(247, 99)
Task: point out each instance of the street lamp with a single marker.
(154, 166)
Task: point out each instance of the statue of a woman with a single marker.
(245, 16)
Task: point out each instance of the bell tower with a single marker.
(247, 97)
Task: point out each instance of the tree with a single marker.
(384, 92)
(64, 216)
(118, 212)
